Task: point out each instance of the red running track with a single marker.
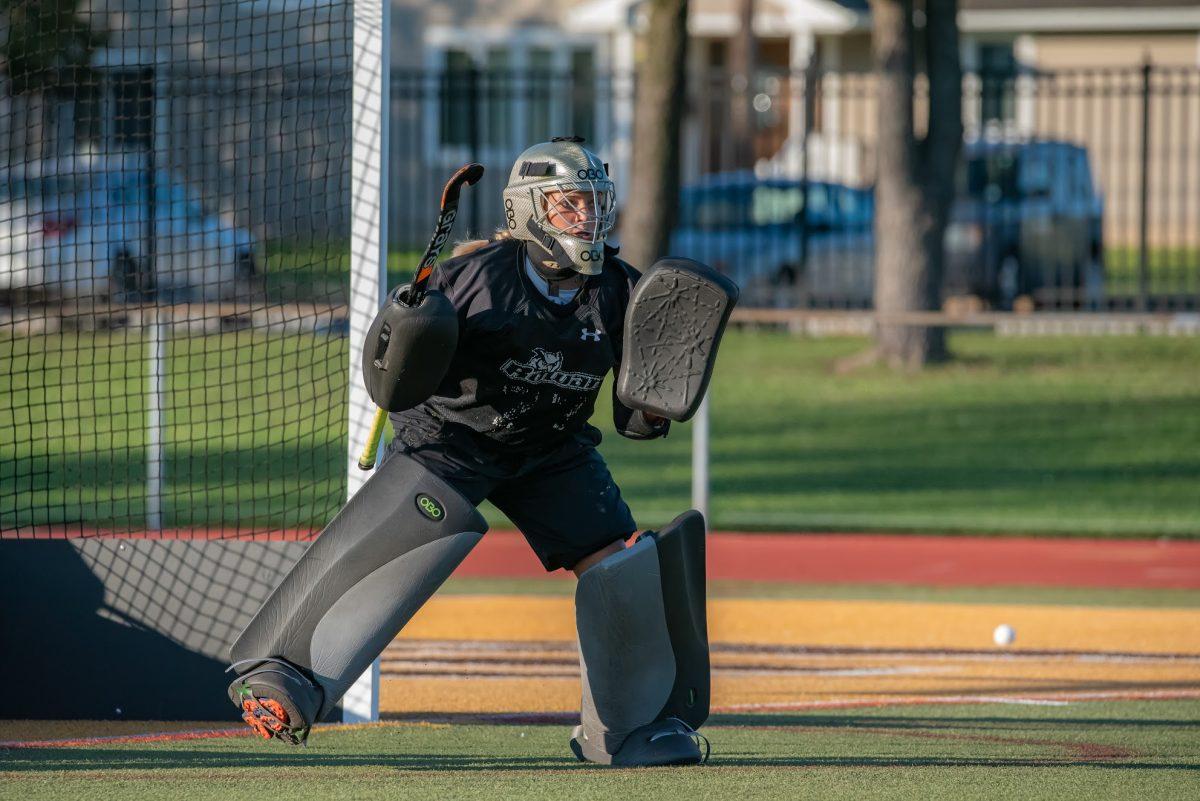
(905, 559)
(839, 558)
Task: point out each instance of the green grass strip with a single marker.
(1113, 750)
(1047, 436)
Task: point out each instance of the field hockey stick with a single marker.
(468, 174)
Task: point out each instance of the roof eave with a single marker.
(1067, 20)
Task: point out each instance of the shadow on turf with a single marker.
(91, 760)
(27, 760)
(897, 722)
(750, 760)
(776, 720)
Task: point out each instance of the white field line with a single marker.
(1055, 699)
(484, 649)
(433, 669)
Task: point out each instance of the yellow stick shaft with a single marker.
(367, 460)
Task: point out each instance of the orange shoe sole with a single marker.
(267, 718)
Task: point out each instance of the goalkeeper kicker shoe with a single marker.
(664, 742)
(276, 700)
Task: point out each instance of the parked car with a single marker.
(1027, 221)
(785, 241)
(81, 228)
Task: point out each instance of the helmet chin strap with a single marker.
(556, 277)
(549, 258)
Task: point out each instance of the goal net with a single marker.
(174, 269)
(182, 236)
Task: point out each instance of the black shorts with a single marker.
(565, 503)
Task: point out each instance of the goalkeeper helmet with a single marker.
(560, 200)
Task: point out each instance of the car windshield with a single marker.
(89, 190)
(129, 187)
(991, 177)
(829, 206)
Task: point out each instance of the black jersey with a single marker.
(527, 371)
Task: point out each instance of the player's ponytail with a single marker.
(472, 245)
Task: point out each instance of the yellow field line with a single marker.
(817, 680)
(879, 624)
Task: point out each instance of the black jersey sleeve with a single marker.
(445, 279)
(631, 423)
(465, 279)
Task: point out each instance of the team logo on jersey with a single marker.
(546, 368)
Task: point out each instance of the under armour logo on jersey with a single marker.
(594, 336)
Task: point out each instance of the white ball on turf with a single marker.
(1004, 634)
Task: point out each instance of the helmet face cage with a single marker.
(593, 203)
(559, 199)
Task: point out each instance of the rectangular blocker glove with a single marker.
(673, 326)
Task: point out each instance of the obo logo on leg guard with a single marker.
(430, 508)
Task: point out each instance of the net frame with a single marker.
(368, 260)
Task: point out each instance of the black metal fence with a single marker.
(1078, 189)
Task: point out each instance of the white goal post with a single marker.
(368, 260)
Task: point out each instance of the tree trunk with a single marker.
(743, 57)
(915, 180)
(943, 142)
(653, 193)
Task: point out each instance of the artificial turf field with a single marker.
(872, 691)
(1147, 750)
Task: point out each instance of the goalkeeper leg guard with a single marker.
(365, 576)
(643, 639)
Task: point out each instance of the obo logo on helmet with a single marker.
(561, 201)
